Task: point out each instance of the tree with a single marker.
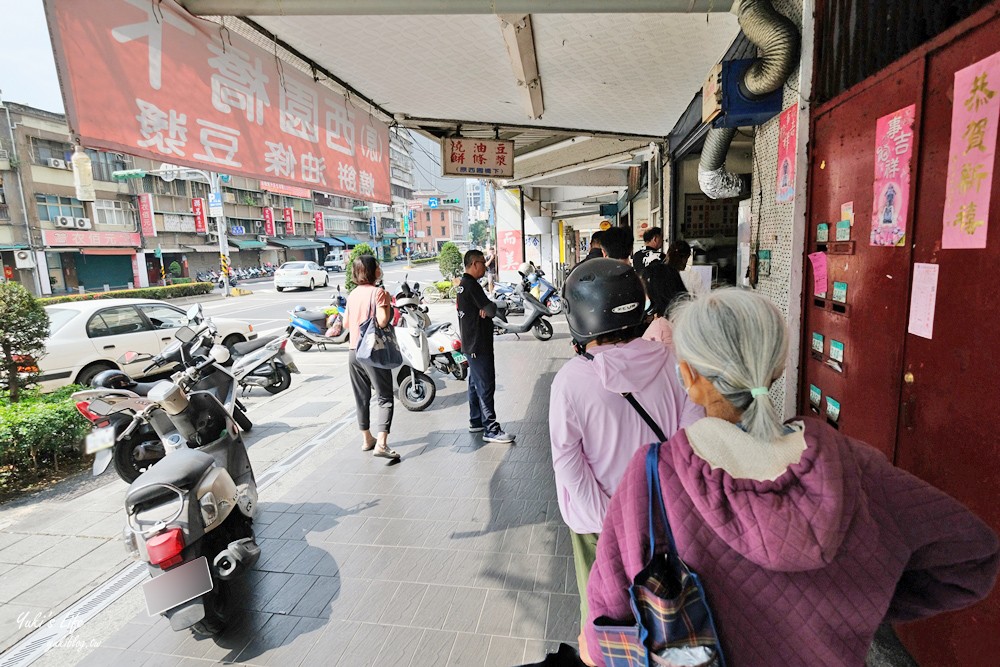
(450, 260)
(175, 269)
(24, 326)
(362, 249)
(480, 233)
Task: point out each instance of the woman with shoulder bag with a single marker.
(795, 541)
(365, 302)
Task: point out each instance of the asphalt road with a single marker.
(267, 310)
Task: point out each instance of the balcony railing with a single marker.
(4, 212)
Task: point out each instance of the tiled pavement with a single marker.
(454, 556)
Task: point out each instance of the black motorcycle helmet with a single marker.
(112, 379)
(602, 296)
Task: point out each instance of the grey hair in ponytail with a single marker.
(738, 340)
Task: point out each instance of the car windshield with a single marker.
(59, 317)
(294, 265)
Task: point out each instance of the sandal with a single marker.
(368, 446)
(384, 452)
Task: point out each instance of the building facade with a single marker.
(53, 243)
(439, 219)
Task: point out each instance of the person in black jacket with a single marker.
(475, 324)
(652, 253)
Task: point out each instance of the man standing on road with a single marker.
(475, 323)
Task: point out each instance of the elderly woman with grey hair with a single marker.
(806, 540)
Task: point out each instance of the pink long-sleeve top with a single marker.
(593, 429)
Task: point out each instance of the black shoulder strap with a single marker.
(638, 408)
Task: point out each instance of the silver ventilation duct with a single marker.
(778, 40)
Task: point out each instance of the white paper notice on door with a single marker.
(923, 299)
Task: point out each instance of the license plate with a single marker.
(458, 357)
(99, 438)
(177, 586)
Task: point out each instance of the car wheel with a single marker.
(326, 281)
(89, 372)
(278, 289)
(312, 284)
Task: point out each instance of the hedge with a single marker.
(181, 281)
(425, 260)
(168, 292)
(37, 434)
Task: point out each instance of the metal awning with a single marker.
(295, 244)
(205, 248)
(349, 241)
(248, 244)
(330, 241)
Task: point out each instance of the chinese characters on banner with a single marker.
(461, 156)
(509, 249)
(289, 215)
(150, 79)
(318, 221)
(146, 223)
(268, 215)
(970, 158)
(198, 208)
(788, 126)
(91, 239)
(891, 196)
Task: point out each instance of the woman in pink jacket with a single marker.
(592, 427)
(805, 539)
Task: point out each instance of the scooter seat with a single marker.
(436, 327)
(312, 315)
(243, 349)
(143, 388)
(183, 469)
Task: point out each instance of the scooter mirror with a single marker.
(185, 334)
(133, 357)
(194, 313)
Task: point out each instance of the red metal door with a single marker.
(870, 325)
(949, 428)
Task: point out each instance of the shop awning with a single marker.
(204, 248)
(248, 244)
(330, 241)
(391, 236)
(295, 244)
(107, 251)
(349, 241)
(13, 247)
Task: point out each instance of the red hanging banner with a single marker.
(269, 221)
(289, 216)
(198, 208)
(146, 222)
(318, 220)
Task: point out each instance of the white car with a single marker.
(87, 337)
(300, 274)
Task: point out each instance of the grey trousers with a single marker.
(363, 380)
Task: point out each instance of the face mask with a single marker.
(680, 378)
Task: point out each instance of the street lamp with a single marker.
(213, 183)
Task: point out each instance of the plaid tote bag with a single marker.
(673, 624)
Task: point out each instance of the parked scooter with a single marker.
(446, 350)
(190, 516)
(511, 295)
(116, 398)
(547, 292)
(534, 320)
(309, 327)
(263, 363)
(416, 389)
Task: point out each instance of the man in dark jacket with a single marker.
(595, 247)
(653, 238)
(475, 323)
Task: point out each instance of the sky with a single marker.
(27, 68)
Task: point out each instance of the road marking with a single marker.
(41, 640)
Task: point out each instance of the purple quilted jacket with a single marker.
(800, 570)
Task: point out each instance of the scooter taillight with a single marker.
(284, 342)
(165, 549)
(83, 407)
(456, 344)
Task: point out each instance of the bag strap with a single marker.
(638, 408)
(655, 493)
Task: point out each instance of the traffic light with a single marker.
(126, 174)
(453, 200)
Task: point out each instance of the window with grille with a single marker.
(114, 212)
(51, 207)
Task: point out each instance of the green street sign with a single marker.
(127, 174)
(158, 252)
(453, 200)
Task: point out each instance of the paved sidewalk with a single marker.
(454, 556)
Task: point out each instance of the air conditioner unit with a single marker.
(57, 164)
(65, 222)
(82, 223)
(24, 259)
(229, 197)
(262, 238)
